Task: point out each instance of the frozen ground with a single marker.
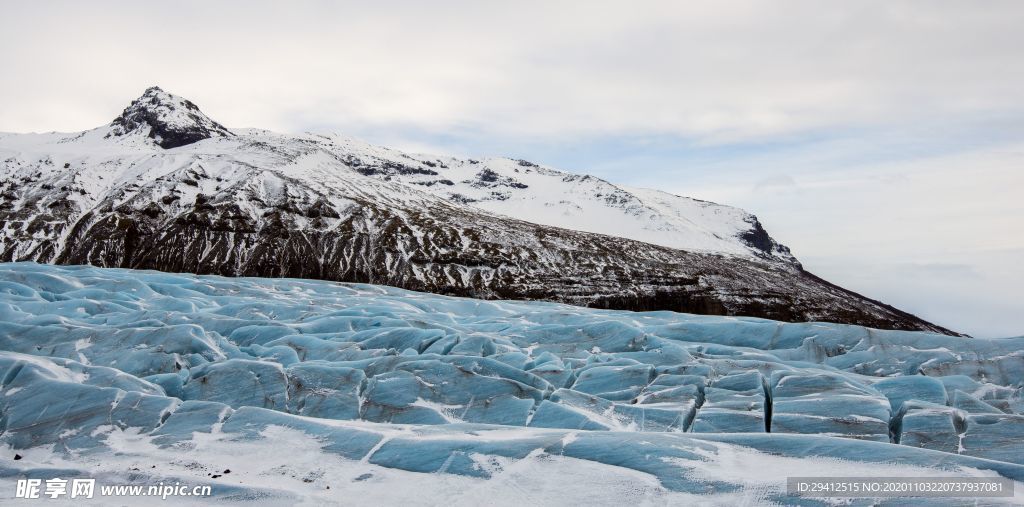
(320, 392)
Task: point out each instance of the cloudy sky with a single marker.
(882, 141)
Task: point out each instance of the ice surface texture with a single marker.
(89, 355)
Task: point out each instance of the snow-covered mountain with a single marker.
(165, 187)
(527, 191)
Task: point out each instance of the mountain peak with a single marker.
(168, 119)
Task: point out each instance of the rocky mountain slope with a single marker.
(165, 187)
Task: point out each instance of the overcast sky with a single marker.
(882, 141)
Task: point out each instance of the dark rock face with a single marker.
(442, 249)
(484, 256)
(169, 120)
(758, 238)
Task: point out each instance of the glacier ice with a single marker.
(397, 381)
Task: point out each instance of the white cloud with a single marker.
(526, 69)
(938, 236)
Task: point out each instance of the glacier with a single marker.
(289, 390)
